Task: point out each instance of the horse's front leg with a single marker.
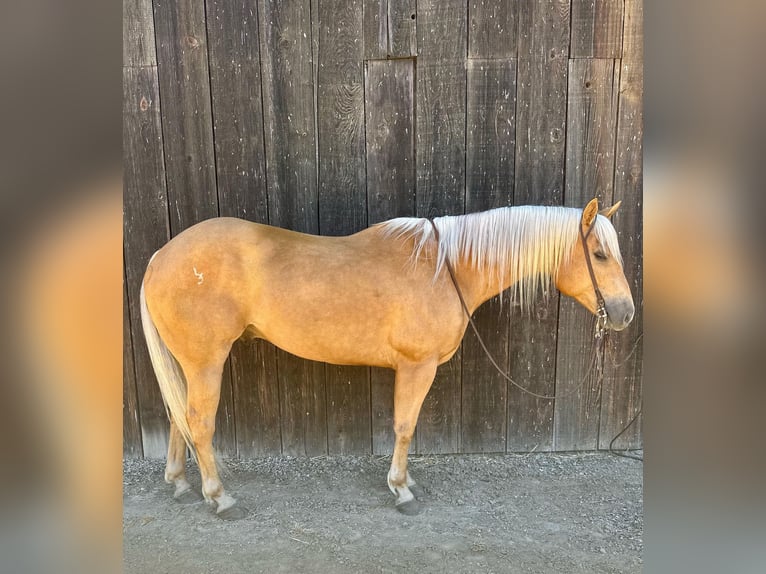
(410, 389)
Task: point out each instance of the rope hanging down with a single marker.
(596, 357)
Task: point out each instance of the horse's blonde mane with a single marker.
(529, 242)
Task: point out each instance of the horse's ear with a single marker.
(609, 211)
(589, 213)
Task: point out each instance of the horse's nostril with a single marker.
(628, 317)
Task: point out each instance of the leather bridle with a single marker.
(600, 323)
(601, 313)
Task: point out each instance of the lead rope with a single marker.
(595, 356)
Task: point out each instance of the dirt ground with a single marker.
(540, 513)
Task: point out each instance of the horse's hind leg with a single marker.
(175, 469)
(203, 394)
(410, 389)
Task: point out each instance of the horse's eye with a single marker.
(600, 255)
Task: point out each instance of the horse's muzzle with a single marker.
(619, 313)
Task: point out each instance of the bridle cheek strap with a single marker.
(600, 303)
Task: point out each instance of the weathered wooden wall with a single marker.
(326, 116)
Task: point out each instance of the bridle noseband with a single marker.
(600, 303)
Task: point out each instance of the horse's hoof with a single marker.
(189, 496)
(410, 508)
(232, 513)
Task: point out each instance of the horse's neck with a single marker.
(478, 285)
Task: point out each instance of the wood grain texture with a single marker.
(623, 366)
(390, 139)
(235, 81)
(375, 29)
(343, 195)
(144, 196)
(145, 229)
(131, 425)
(390, 29)
(402, 28)
(597, 28)
(288, 114)
(138, 47)
(539, 176)
(256, 398)
(186, 112)
(591, 119)
(490, 140)
(492, 28)
(288, 72)
(390, 152)
(440, 108)
(303, 403)
(541, 102)
(440, 176)
(342, 187)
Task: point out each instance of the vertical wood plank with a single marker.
(390, 29)
(402, 28)
(343, 195)
(187, 124)
(145, 226)
(145, 229)
(235, 82)
(623, 366)
(390, 139)
(492, 28)
(288, 104)
(440, 108)
(390, 151)
(256, 398)
(491, 90)
(138, 47)
(592, 114)
(591, 122)
(540, 149)
(186, 114)
(597, 28)
(440, 176)
(288, 71)
(375, 29)
(541, 102)
(131, 426)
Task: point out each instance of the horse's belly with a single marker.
(351, 331)
(328, 344)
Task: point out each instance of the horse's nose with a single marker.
(620, 313)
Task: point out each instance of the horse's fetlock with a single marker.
(212, 489)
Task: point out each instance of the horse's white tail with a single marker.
(169, 374)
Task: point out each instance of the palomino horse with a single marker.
(381, 297)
